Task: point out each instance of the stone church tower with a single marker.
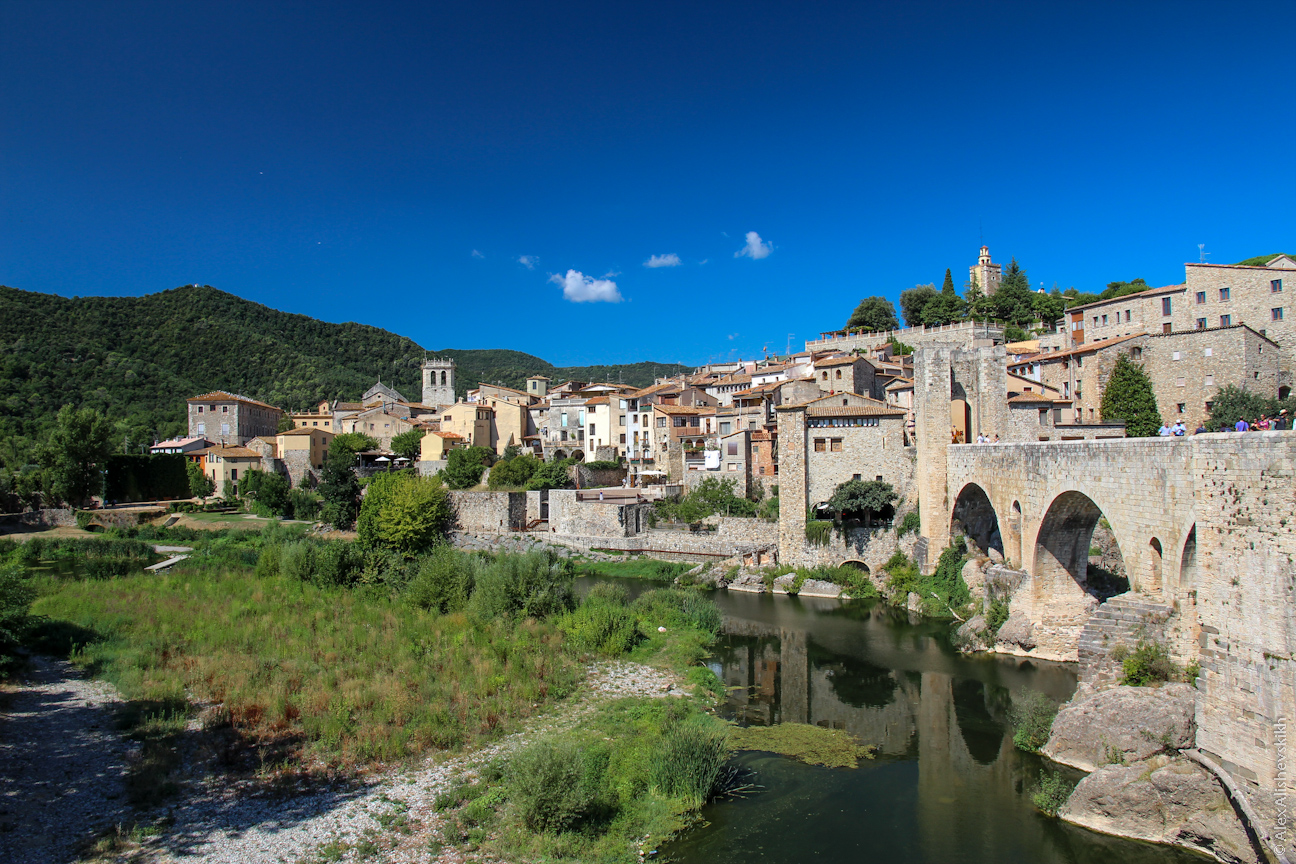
(438, 381)
(984, 274)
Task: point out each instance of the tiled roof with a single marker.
(854, 411)
(348, 406)
(836, 361)
(598, 400)
(305, 430)
(233, 452)
(179, 442)
(868, 401)
(900, 384)
(222, 396)
(445, 434)
(1089, 347)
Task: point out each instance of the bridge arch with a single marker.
(974, 512)
(856, 564)
(1063, 539)
(559, 455)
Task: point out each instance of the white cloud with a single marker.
(611, 274)
(733, 336)
(670, 259)
(755, 249)
(528, 261)
(477, 254)
(579, 288)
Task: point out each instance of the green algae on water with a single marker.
(816, 745)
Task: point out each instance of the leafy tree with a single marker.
(464, 467)
(75, 454)
(1124, 289)
(200, 485)
(16, 597)
(352, 443)
(914, 301)
(340, 488)
(1048, 307)
(873, 314)
(1129, 397)
(268, 493)
(408, 444)
(552, 475)
(861, 498)
(945, 308)
(285, 422)
(404, 512)
(1013, 299)
(1013, 333)
(980, 307)
(1232, 403)
(514, 473)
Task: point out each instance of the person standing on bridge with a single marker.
(1280, 422)
(1180, 429)
(1165, 431)
(1241, 426)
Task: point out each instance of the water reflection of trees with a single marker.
(856, 682)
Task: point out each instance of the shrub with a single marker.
(514, 473)
(995, 616)
(302, 504)
(536, 584)
(444, 581)
(108, 568)
(404, 513)
(689, 759)
(557, 785)
(333, 562)
(1032, 719)
(1053, 792)
(673, 608)
(818, 532)
(601, 626)
(910, 524)
(1149, 663)
(16, 597)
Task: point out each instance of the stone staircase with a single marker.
(1122, 620)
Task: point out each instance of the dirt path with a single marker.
(62, 764)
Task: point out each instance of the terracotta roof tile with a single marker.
(854, 411)
(222, 396)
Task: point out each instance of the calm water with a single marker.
(948, 787)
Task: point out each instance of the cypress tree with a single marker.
(948, 288)
(1129, 397)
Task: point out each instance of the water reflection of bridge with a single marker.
(955, 725)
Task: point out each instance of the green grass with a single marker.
(637, 568)
(633, 775)
(815, 745)
(359, 677)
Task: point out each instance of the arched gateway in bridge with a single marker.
(1206, 525)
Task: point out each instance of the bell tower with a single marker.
(438, 381)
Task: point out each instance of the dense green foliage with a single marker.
(1053, 792)
(339, 489)
(873, 314)
(913, 303)
(404, 513)
(514, 473)
(74, 455)
(713, 495)
(1031, 717)
(1263, 260)
(1232, 403)
(139, 358)
(943, 592)
(464, 466)
(133, 477)
(861, 499)
(1147, 664)
(1129, 397)
(16, 596)
(552, 475)
(408, 444)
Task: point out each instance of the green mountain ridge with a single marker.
(138, 358)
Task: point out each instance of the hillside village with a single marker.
(849, 395)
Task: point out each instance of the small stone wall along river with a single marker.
(947, 787)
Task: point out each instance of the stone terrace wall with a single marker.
(489, 511)
(50, 518)
(592, 477)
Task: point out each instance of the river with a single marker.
(947, 786)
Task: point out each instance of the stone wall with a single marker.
(733, 536)
(1190, 368)
(430, 467)
(48, 518)
(1250, 302)
(589, 478)
(489, 511)
(296, 464)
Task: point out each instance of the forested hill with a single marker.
(138, 358)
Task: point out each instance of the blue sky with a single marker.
(464, 173)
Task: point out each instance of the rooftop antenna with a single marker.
(789, 344)
(1201, 253)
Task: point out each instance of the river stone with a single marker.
(971, 636)
(1017, 631)
(1123, 724)
(1162, 800)
(974, 578)
(995, 556)
(914, 602)
(819, 588)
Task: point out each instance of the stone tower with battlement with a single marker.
(438, 381)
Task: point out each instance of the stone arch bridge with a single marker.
(1206, 525)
